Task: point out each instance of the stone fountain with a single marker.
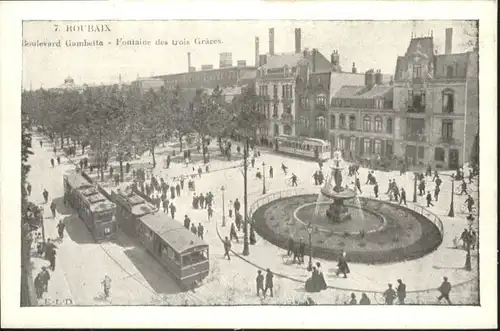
(334, 190)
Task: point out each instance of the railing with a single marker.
(415, 137)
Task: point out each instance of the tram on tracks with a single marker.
(96, 211)
(317, 149)
(177, 249)
(130, 207)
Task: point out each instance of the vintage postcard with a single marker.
(251, 163)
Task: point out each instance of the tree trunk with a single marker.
(205, 161)
(180, 141)
(62, 141)
(67, 140)
(121, 168)
(153, 153)
(83, 148)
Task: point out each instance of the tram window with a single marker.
(195, 257)
(107, 231)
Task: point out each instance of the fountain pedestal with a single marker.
(333, 189)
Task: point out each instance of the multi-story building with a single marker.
(68, 85)
(361, 117)
(281, 80)
(436, 104)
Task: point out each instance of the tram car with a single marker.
(130, 207)
(96, 211)
(317, 149)
(177, 249)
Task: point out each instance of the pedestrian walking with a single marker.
(236, 206)
(194, 230)
(284, 168)
(343, 267)
(165, 205)
(53, 207)
(233, 234)
(294, 179)
(401, 289)
(259, 281)
(28, 189)
(358, 185)
(463, 188)
(230, 208)
(41, 143)
(200, 230)
(52, 162)
(106, 285)
(178, 189)
(58, 160)
(227, 248)
(429, 199)
(436, 193)
(271, 172)
(269, 282)
(445, 290)
(60, 229)
(375, 190)
(187, 222)
(403, 196)
(39, 288)
(45, 277)
(172, 210)
(389, 295)
(290, 245)
(210, 212)
(473, 239)
(45, 195)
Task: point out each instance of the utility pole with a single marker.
(246, 248)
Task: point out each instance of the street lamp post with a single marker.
(451, 213)
(263, 178)
(310, 230)
(415, 187)
(223, 207)
(246, 249)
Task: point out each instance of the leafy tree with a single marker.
(180, 117)
(471, 31)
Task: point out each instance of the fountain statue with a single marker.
(337, 212)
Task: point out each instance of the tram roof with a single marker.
(76, 180)
(304, 139)
(138, 205)
(172, 232)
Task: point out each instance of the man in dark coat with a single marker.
(401, 290)
(389, 295)
(172, 210)
(259, 281)
(187, 222)
(269, 282)
(200, 230)
(227, 248)
(445, 290)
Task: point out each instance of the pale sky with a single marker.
(371, 44)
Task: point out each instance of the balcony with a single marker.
(287, 100)
(320, 106)
(447, 140)
(416, 136)
(416, 109)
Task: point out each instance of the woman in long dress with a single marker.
(343, 267)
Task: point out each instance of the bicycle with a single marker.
(465, 210)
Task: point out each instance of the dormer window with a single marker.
(417, 71)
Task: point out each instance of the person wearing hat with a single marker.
(106, 284)
(259, 280)
(45, 277)
(389, 295)
(269, 282)
(401, 289)
(445, 290)
(364, 299)
(353, 299)
(302, 250)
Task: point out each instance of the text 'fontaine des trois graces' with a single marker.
(120, 42)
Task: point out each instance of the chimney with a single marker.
(369, 78)
(314, 52)
(262, 59)
(189, 62)
(448, 42)
(271, 41)
(354, 69)
(298, 38)
(378, 77)
(257, 62)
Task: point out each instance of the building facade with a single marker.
(436, 104)
(361, 118)
(282, 81)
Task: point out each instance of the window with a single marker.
(262, 90)
(366, 123)
(332, 121)
(448, 103)
(417, 100)
(287, 129)
(305, 102)
(321, 99)
(389, 125)
(342, 121)
(353, 144)
(449, 71)
(417, 71)
(320, 123)
(306, 122)
(447, 129)
(287, 109)
(378, 124)
(421, 152)
(287, 91)
(266, 110)
(341, 143)
(275, 91)
(439, 154)
(378, 147)
(366, 146)
(275, 110)
(352, 123)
